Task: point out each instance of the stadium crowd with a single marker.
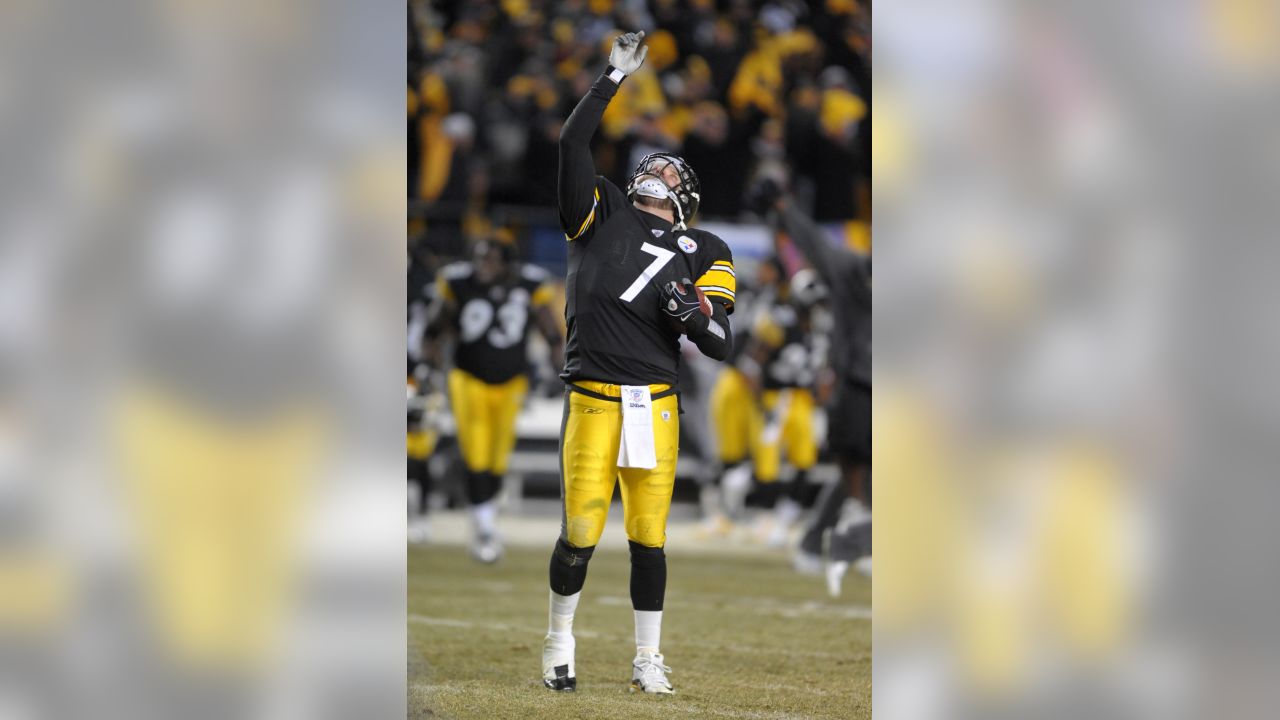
(744, 88)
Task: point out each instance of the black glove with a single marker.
(680, 301)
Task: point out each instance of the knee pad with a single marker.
(803, 492)
(569, 567)
(645, 556)
(572, 556)
(765, 494)
(481, 487)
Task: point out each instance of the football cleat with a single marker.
(557, 665)
(487, 549)
(806, 563)
(649, 675)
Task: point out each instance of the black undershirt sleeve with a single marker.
(712, 335)
(577, 174)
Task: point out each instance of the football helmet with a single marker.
(647, 181)
(806, 289)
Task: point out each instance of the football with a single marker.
(703, 303)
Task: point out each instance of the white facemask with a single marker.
(654, 188)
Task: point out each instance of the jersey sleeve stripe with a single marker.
(717, 289)
(590, 216)
(723, 266)
(719, 277)
(716, 293)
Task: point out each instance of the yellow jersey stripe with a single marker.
(718, 276)
(717, 293)
(717, 288)
(590, 216)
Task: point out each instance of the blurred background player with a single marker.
(787, 355)
(486, 307)
(734, 412)
(841, 527)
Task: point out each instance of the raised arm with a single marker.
(578, 195)
(833, 264)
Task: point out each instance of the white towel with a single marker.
(636, 448)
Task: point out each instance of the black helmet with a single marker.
(685, 196)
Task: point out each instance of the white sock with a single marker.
(709, 499)
(787, 512)
(485, 518)
(560, 616)
(648, 630)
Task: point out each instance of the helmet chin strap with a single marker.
(655, 188)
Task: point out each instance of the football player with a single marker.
(488, 304)
(848, 275)
(638, 278)
(789, 354)
(735, 415)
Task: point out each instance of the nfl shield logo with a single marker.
(657, 232)
(686, 243)
(636, 395)
(666, 415)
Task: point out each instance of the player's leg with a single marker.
(768, 461)
(589, 435)
(730, 420)
(802, 453)
(501, 405)
(850, 540)
(469, 399)
(646, 502)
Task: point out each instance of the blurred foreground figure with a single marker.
(487, 305)
(734, 415)
(841, 528)
(629, 298)
(781, 363)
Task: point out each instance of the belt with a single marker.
(601, 396)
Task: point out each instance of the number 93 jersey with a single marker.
(619, 259)
(492, 320)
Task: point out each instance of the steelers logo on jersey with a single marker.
(686, 243)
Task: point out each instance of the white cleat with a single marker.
(487, 549)
(557, 665)
(649, 675)
(806, 563)
(863, 566)
(419, 532)
(835, 576)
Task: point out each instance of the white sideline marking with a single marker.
(761, 606)
(501, 627)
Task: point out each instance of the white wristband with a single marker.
(617, 76)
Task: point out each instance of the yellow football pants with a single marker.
(734, 416)
(485, 416)
(793, 431)
(589, 467)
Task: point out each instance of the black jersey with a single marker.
(619, 259)
(794, 354)
(492, 320)
(617, 331)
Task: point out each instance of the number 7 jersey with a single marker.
(619, 259)
(493, 319)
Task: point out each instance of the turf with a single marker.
(746, 638)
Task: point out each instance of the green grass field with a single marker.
(745, 636)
